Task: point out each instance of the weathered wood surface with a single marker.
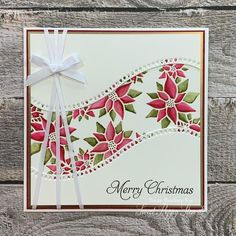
(222, 140)
(219, 220)
(156, 4)
(222, 25)
(219, 16)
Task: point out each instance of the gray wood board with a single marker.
(219, 220)
(222, 54)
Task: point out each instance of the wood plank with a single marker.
(156, 4)
(219, 220)
(222, 24)
(222, 139)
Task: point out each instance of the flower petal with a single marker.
(110, 132)
(195, 127)
(123, 143)
(167, 67)
(38, 136)
(127, 99)
(63, 141)
(119, 108)
(76, 113)
(53, 168)
(158, 103)
(109, 104)
(100, 137)
(52, 128)
(180, 73)
(172, 113)
(179, 97)
(179, 66)
(170, 87)
(122, 90)
(118, 137)
(163, 75)
(53, 149)
(163, 95)
(63, 132)
(37, 126)
(107, 154)
(184, 107)
(99, 104)
(100, 147)
(161, 114)
(91, 113)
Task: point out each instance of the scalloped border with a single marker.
(145, 137)
(114, 86)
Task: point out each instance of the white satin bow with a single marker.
(56, 66)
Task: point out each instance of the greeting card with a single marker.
(115, 119)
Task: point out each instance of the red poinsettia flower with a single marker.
(85, 161)
(195, 127)
(110, 142)
(173, 70)
(116, 100)
(170, 102)
(36, 113)
(39, 133)
(82, 112)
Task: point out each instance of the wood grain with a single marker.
(219, 220)
(221, 149)
(222, 54)
(99, 4)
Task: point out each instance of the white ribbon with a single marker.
(56, 66)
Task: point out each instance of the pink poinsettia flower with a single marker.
(84, 161)
(82, 112)
(170, 102)
(173, 70)
(39, 133)
(110, 142)
(36, 113)
(116, 99)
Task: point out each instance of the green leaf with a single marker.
(86, 117)
(159, 86)
(183, 117)
(182, 87)
(152, 95)
(69, 118)
(81, 151)
(161, 69)
(128, 133)
(177, 80)
(196, 120)
(53, 116)
(134, 93)
(190, 97)
(165, 123)
(184, 68)
(189, 116)
(91, 141)
(53, 160)
(140, 80)
(69, 113)
(80, 118)
(118, 128)
(130, 108)
(98, 158)
(47, 156)
(152, 113)
(102, 112)
(112, 115)
(73, 138)
(35, 147)
(100, 128)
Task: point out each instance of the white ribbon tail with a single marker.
(43, 151)
(70, 145)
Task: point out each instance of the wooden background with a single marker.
(219, 16)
